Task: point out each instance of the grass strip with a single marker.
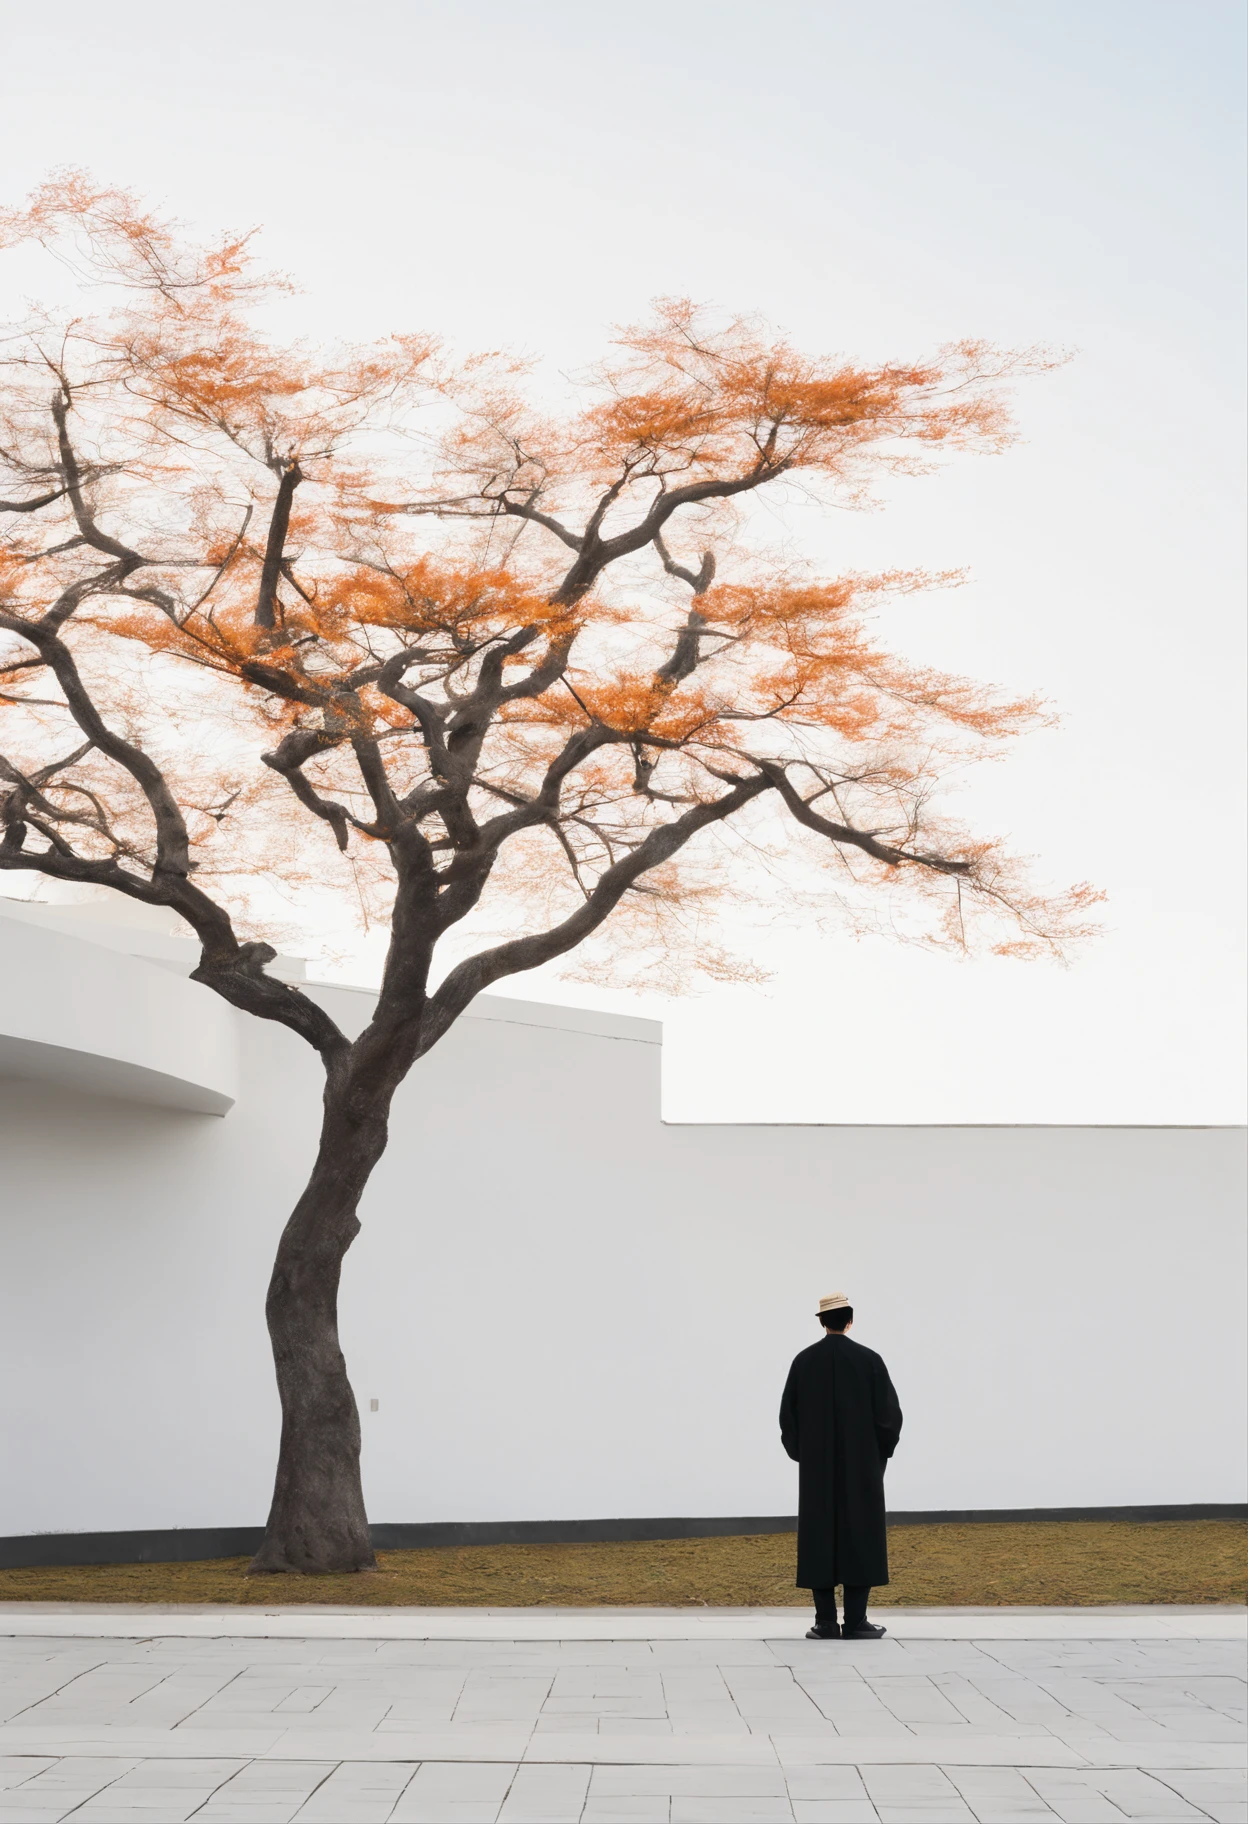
(1068, 1563)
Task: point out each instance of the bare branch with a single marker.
(597, 554)
(841, 832)
(32, 506)
(523, 510)
(698, 580)
(173, 853)
(91, 533)
(288, 759)
(275, 545)
(476, 973)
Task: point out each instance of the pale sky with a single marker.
(877, 177)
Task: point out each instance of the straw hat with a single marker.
(837, 1302)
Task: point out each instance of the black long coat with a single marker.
(840, 1421)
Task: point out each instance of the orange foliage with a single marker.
(485, 663)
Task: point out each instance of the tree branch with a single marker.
(288, 759)
(476, 973)
(73, 487)
(231, 969)
(521, 510)
(173, 845)
(275, 546)
(597, 554)
(32, 506)
(843, 832)
(698, 580)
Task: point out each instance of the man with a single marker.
(840, 1422)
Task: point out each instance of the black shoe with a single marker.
(824, 1630)
(865, 1630)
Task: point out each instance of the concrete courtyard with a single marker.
(540, 1716)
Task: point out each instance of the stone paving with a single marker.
(654, 1731)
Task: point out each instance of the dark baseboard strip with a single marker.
(182, 1545)
(576, 1532)
(983, 1516)
(178, 1545)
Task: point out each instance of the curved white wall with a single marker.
(83, 1017)
(567, 1309)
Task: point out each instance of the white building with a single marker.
(563, 1308)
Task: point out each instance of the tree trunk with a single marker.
(317, 1521)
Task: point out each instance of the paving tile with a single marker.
(362, 1792)
(546, 1795)
(79, 1770)
(656, 1750)
(915, 1795)
(704, 1704)
(218, 1721)
(636, 1725)
(1224, 1811)
(445, 1811)
(604, 1706)
(1140, 1795)
(693, 1682)
(16, 1770)
(59, 1787)
(834, 1811)
(462, 1742)
(699, 1723)
(330, 1716)
(615, 1681)
(1157, 1756)
(1096, 1796)
(278, 1777)
(1212, 1791)
(156, 1804)
(128, 1814)
(934, 1656)
(970, 1701)
(842, 1785)
(239, 1798)
(626, 1811)
(926, 1811)
(166, 1774)
(665, 1653)
(454, 1793)
(1071, 1729)
(856, 1700)
(250, 1731)
(967, 1749)
(247, 1811)
(731, 1811)
(406, 1714)
(688, 1782)
(1194, 1725)
(1000, 1795)
(463, 1779)
(913, 1700)
(15, 1807)
(1020, 1698)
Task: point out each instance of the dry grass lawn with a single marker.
(1064, 1562)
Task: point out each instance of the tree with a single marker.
(370, 618)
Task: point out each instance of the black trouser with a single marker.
(855, 1605)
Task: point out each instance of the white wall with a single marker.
(567, 1309)
(77, 1014)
